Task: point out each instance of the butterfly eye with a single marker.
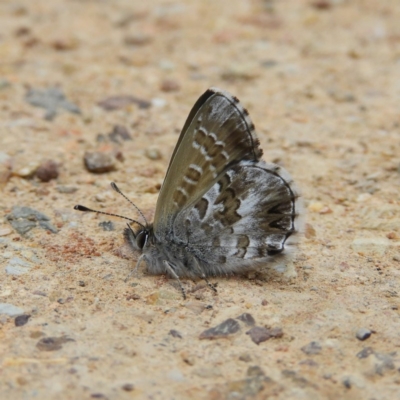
(141, 239)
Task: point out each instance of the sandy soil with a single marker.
(321, 80)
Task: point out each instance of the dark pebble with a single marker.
(347, 383)
(47, 171)
(259, 334)
(363, 334)
(175, 333)
(128, 387)
(23, 219)
(99, 162)
(118, 133)
(226, 328)
(82, 283)
(52, 343)
(98, 396)
(365, 352)
(312, 348)
(21, 320)
(247, 319)
(107, 225)
(117, 102)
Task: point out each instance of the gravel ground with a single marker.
(97, 91)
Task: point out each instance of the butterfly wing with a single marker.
(218, 133)
(221, 208)
(243, 220)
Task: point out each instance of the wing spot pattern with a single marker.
(242, 244)
(202, 207)
(180, 196)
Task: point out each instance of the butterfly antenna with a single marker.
(115, 187)
(83, 208)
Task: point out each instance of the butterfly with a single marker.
(221, 210)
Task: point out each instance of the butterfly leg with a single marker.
(202, 275)
(136, 268)
(169, 268)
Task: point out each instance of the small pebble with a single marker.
(259, 334)
(23, 219)
(363, 334)
(223, 330)
(316, 206)
(21, 319)
(158, 103)
(47, 171)
(52, 343)
(365, 352)
(10, 309)
(128, 387)
(347, 383)
(17, 266)
(99, 163)
(153, 153)
(169, 85)
(52, 100)
(312, 348)
(98, 396)
(174, 333)
(118, 133)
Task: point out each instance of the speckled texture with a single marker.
(321, 81)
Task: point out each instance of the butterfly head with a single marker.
(140, 239)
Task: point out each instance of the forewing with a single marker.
(217, 133)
